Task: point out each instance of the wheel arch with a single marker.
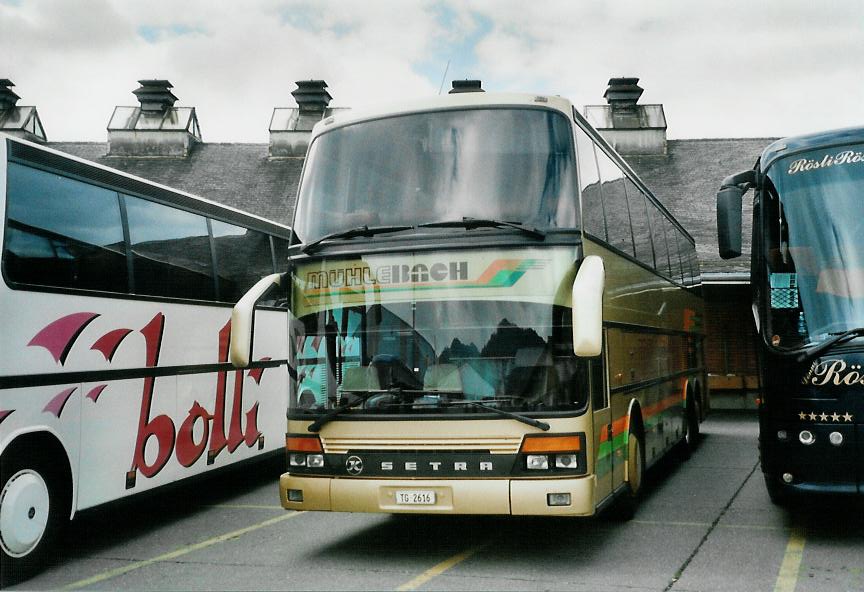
(48, 444)
(635, 423)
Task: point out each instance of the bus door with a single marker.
(602, 425)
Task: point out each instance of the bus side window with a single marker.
(170, 251)
(641, 230)
(63, 233)
(593, 218)
(661, 248)
(615, 204)
(243, 257)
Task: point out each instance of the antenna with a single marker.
(444, 77)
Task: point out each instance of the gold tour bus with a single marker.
(490, 314)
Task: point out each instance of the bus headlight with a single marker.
(836, 438)
(562, 454)
(537, 462)
(782, 435)
(566, 461)
(304, 451)
(806, 437)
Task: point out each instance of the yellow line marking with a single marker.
(787, 579)
(177, 552)
(670, 523)
(437, 570)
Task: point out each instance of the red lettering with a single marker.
(189, 451)
(160, 427)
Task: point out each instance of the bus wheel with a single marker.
(692, 435)
(775, 491)
(635, 473)
(33, 509)
(688, 443)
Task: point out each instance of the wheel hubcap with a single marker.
(24, 506)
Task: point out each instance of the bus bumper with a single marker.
(527, 497)
(794, 468)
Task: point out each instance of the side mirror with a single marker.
(588, 307)
(729, 221)
(729, 212)
(243, 320)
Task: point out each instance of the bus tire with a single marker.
(34, 507)
(630, 498)
(776, 493)
(690, 440)
(693, 433)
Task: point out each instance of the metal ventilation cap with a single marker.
(311, 95)
(8, 98)
(462, 86)
(623, 93)
(154, 95)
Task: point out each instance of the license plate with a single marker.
(415, 498)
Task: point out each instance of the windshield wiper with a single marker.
(828, 344)
(352, 233)
(471, 223)
(316, 425)
(542, 425)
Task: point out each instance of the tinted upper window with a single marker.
(615, 204)
(243, 257)
(61, 232)
(170, 250)
(593, 216)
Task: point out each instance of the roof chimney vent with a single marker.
(463, 86)
(156, 127)
(311, 96)
(291, 127)
(631, 128)
(8, 98)
(623, 94)
(21, 122)
(154, 95)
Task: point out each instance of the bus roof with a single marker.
(824, 139)
(72, 165)
(448, 101)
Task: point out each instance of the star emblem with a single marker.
(802, 416)
(835, 417)
(847, 416)
(812, 416)
(823, 416)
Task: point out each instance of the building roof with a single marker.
(238, 175)
(685, 179)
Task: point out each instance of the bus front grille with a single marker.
(505, 445)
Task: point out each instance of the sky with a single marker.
(721, 68)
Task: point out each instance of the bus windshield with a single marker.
(438, 357)
(507, 164)
(815, 245)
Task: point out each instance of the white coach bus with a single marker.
(115, 308)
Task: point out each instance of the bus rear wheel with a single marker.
(33, 509)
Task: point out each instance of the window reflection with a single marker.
(425, 357)
(61, 232)
(508, 164)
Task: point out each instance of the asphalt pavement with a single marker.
(703, 525)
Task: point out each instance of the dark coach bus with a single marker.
(808, 301)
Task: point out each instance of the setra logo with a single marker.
(354, 465)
